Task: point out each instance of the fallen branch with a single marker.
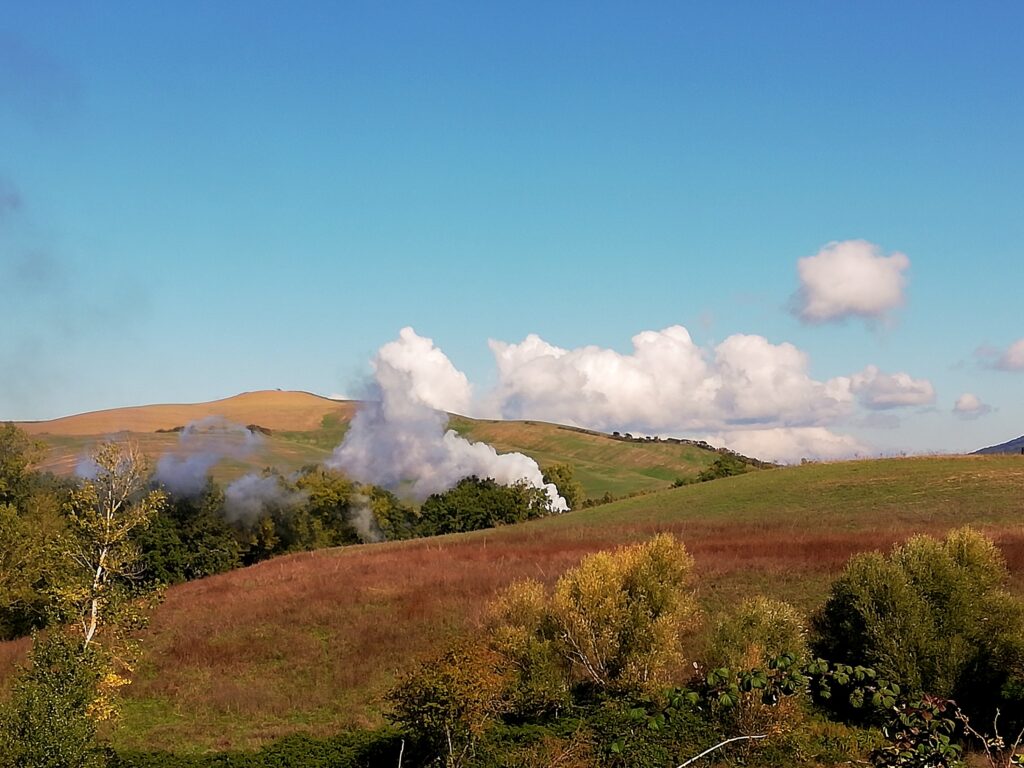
(719, 746)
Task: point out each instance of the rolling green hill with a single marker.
(304, 429)
(310, 642)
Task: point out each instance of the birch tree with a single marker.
(102, 602)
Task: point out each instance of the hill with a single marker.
(301, 428)
(310, 642)
(1011, 446)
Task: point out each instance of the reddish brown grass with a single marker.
(312, 641)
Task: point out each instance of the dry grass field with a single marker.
(310, 642)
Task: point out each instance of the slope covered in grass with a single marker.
(305, 428)
(310, 642)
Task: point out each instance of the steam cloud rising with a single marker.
(400, 435)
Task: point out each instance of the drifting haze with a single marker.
(201, 444)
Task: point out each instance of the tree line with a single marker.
(191, 536)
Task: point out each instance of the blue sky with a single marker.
(198, 200)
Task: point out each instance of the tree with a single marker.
(17, 453)
(476, 503)
(933, 616)
(564, 477)
(101, 600)
(29, 562)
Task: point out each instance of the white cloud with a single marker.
(850, 278)
(880, 391)
(788, 445)
(969, 406)
(413, 365)
(1012, 359)
(667, 384)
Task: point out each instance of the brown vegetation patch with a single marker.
(272, 409)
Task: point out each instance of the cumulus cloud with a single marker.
(413, 365)
(399, 436)
(745, 393)
(668, 383)
(881, 391)
(970, 406)
(852, 278)
(1012, 358)
(789, 445)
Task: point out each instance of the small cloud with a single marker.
(880, 391)
(876, 420)
(1012, 358)
(851, 278)
(969, 406)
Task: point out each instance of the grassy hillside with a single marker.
(305, 428)
(310, 642)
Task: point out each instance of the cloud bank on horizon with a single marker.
(745, 393)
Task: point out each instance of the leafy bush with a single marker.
(726, 465)
(933, 616)
(476, 503)
(48, 722)
(620, 616)
(449, 702)
(759, 630)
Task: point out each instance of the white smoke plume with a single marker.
(251, 496)
(361, 517)
(201, 444)
(399, 437)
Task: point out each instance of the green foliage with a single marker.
(726, 465)
(476, 503)
(449, 702)
(48, 722)
(364, 749)
(933, 615)
(188, 539)
(395, 519)
(326, 511)
(620, 616)
(30, 563)
(761, 629)
(17, 453)
(920, 735)
(525, 633)
(563, 475)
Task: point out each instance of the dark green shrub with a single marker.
(933, 616)
(47, 723)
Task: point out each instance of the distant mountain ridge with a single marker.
(1011, 446)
